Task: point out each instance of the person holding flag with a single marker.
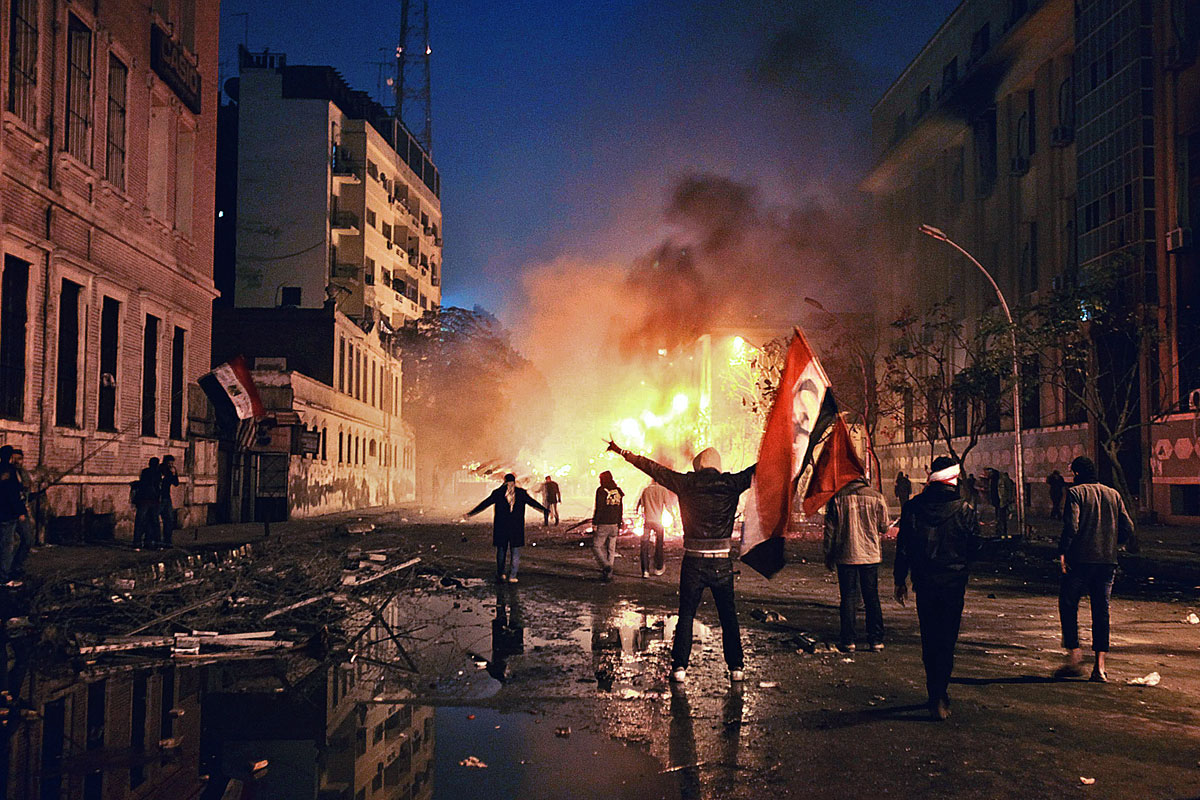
(939, 534)
(708, 502)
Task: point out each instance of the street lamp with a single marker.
(1018, 461)
(862, 364)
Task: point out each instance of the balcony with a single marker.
(413, 258)
(351, 271)
(344, 222)
(437, 241)
(436, 280)
(346, 171)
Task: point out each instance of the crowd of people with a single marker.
(937, 538)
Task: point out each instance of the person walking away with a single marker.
(1058, 487)
(993, 489)
(653, 500)
(939, 534)
(147, 492)
(166, 505)
(708, 502)
(855, 520)
(508, 526)
(551, 497)
(607, 517)
(1095, 524)
(24, 530)
(12, 513)
(1005, 492)
(903, 487)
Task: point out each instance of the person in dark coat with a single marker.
(1058, 487)
(903, 487)
(607, 517)
(939, 534)
(147, 493)
(166, 506)
(1095, 525)
(508, 530)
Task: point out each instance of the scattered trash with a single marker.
(847, 660)
(767, 684)
(763, 615)
(562, 733)
(473, 762)
(1086, 781)
(1146, 680)
(1192, 619)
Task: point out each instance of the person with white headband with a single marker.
(939, 534)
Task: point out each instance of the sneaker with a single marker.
(501, 577)
(645, 574)
(678, 675)
(846, 648)
(876, 647)
(737, 675)
(659, 571)
(940, 710)
(513, 579)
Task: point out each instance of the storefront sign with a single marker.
(176, 66)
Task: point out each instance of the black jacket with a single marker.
(508, 528)
(148, 489)
(939, 535)
(168, 479)
(610, 506)
(708, 499)
(12, 494)
(1095, 524)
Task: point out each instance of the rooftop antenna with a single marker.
(413, 99)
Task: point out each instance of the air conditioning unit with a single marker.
(1020, 165)
(1178, 239)
(1062, 135)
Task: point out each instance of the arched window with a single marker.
(341, 447)
(324, 444)
(372, 448)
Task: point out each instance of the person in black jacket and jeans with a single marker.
(708, 501)
(939, 534)
(1095, 524)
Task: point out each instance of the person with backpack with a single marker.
(607, 517)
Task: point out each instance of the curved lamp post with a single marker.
(1018, 461)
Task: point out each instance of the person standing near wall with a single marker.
(147, 493)
(166, 505)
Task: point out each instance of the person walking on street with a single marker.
(551, 497)
(607, 517)
(903, 487)
(855, 521)
(24, 529)
(939, 534)
(147, 493)
(508, 526)
(1005, 492)
(653, 500)
(1058, 487)
(166, 505)
(993, 490)
(12, 513)
(1095, 524)
(708, 502)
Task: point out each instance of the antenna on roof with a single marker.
(413, 98)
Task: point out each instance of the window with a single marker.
(899, 128)
(14, 291)
(924, 101)
(150, 375)
(177, 356)
(185, 175)
(372, 383)
(290, 296)
(114, 159)
(159, 169)
(985, 152)
(370, 218)
(341, 364)
(341, 447)
(324, 444)
(1066, 104)
(22, 60)
(980, 42)
(1031, 130)
(106, 398)
(949, 75)
(79, 89)
(67, 375)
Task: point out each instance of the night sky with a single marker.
(560, 126)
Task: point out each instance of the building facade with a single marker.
(107, 161)
(1040, 136)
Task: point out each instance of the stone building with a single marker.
(1042, 137)
(107, 156)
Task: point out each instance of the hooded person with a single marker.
(508, 526)
(607, 517)
(939, 535)
(708, 503)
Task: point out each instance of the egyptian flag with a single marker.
(836, 466)
(803, 410)
(233, 394)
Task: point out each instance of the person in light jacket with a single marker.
(855, 521)
(508, 527)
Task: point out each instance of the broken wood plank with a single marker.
(301, 604)
(178, 612)
(123, 643)
(352, 580)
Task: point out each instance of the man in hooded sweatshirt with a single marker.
(939, 534)
(708, 501)
(606, 523)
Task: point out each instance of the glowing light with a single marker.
(680, 403)
(428, 49)
(662, 351)
(668, 519)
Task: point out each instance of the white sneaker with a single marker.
(737, 675)
(645, 574)
(659, 571)
(678, 675)
(513, 579)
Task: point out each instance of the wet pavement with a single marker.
(556, 687)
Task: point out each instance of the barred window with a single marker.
(22, 60)
(114, 165)
(79, 89)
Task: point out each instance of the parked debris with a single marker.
(1146, 680)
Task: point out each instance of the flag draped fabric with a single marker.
(836, 466)
(802, 412)
(233, 394)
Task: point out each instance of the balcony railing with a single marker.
(344, 221)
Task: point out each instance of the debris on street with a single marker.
(1146, 680)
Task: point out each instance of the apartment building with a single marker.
(107, 157)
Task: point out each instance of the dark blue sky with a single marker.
(560, 126)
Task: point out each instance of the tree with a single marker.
(469, 395)
(946, 378)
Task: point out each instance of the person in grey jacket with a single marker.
(855, 521)
(1095, 524)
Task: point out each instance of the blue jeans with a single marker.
(502, 558)
(853, 578)
(652, 544)
(604, 546)
(1095, 580)
(715, 574)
